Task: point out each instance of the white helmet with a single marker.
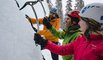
(94, 11)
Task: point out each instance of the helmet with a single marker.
(53, 10)
(74, 15)
(94, 11)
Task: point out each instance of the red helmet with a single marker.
(74, 15)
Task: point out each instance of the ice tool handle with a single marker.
(31, 23)
(42, 7)
(31, 3)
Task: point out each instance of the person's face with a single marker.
(68, 21)
(51, 15)
(83, 25)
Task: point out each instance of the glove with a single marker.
(46, 22)
(39, 40)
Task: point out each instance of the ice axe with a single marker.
(33, 29)
(31, 3)
(42, 6)
(30, 22)
(17, 3)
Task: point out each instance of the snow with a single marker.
(16, 34)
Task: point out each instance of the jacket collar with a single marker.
(73, 29)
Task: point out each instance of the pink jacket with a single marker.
(81, 48)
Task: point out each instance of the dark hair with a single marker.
(56, 15)
(74, 19)
(93, 26)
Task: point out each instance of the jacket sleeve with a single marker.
(33, 20)
(56, 25)
(67, 49)
(60, 50)
(43, 32)
(57, 33)
(55, 30)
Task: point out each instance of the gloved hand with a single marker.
(47, 23)
(39, 40)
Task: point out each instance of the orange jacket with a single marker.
(45, 32)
